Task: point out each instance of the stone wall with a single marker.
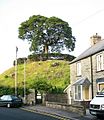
(31, 98)
(85, 104)
(61, 98)
(71, 108)
(85, 71)
(96, 74)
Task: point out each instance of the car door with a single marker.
(4, 100)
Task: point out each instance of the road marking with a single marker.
(49, 114)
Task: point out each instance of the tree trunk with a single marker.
(46, 49)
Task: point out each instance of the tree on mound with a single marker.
(47, 35)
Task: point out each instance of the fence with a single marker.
(61, 98)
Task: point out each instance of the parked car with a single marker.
(97, 105)
(10, 101)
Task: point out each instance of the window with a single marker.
(78, 92)
(100, 62)
(79, 69)
(100, 87)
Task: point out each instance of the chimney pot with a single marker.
(95, 39)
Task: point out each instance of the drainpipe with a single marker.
(91, 76)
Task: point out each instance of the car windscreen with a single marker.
(14, 97)
(6, 97)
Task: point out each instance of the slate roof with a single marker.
(82, 81)
(90, 51)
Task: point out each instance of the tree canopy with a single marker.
(47, 34)
(41, 86)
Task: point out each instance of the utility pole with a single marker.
(16, 72)
(24, 80)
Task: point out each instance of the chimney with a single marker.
(95, 39)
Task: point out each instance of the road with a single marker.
(18, 114)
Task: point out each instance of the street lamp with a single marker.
(16, 72)
(24, 80)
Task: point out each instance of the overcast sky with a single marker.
(85, 17)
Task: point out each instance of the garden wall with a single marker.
(73, 108)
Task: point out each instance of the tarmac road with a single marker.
(18, 114)
(40, 113)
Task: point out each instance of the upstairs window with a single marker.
(100, 62)
(79, 69)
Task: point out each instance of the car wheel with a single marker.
(8, 105)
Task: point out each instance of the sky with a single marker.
(85, 17)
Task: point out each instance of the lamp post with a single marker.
(16, 72)
(24, 80)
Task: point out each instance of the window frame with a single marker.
(78, 68)
(78, 92)
(99, 62)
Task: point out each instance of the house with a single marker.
(87, 73)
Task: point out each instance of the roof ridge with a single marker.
(90, 51)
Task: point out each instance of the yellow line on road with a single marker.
(44, 113)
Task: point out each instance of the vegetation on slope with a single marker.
(54, 72)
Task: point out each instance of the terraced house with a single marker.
(87, 72)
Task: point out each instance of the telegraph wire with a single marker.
(88, 17)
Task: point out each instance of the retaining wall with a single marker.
(73, 108)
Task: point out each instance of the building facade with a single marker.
(87, 72)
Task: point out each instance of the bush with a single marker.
(20, 61)
(56, 90)
(41, 85)
(6, 90)
(50, 56)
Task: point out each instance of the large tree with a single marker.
(47, 34)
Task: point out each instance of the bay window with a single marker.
(78, 92)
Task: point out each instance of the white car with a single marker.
(97, 105)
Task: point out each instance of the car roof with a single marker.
(12, 96)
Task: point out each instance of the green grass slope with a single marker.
(56, 72)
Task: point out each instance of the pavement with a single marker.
(60, 114)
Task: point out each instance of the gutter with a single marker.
(91, 76)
